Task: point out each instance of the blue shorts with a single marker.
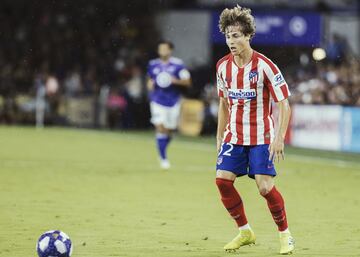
(245, 160)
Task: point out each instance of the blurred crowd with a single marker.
(334, 80)
(328, 84)
(73, 51)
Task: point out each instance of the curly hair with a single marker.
(238, 16)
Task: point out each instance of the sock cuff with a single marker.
(225, 180)
(271, 192)
(285, 230)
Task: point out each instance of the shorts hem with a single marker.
(252, 175)
(233, 172)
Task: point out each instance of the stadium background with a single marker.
(91, 58)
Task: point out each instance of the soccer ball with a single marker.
(54, 243)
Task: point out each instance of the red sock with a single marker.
(277, 208)
(232, 201)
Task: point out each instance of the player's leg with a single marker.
(232, 162)
(276, 206)
(274, 200)
(163, 138)
(262, 169)
(230, 197)
(163, 135)
(169, 122)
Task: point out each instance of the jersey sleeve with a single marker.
(182, 72)
(149, 71)
(220, 84)
(276, 83)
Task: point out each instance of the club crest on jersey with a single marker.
(242, 94)
(163, 79)
(253, 76)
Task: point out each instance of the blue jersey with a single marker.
(165, 93)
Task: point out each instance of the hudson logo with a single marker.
(242, 94)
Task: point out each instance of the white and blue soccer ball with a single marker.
(54, 243)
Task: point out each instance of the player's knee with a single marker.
(223, 184)
(161, 129)
(264, 190)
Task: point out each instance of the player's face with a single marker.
(164, 51)
(236, 40)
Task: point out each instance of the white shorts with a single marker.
(164, 115)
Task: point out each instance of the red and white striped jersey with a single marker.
(249, 91)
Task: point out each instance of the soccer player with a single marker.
(247, 142)
(165, 75)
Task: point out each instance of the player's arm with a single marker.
(223, 112)
(276, 148)
(149, 84)
(184, 79)
(182, 82)
(279, 91)
(223, 117)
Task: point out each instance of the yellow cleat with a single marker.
(287, 243)
(245, 237)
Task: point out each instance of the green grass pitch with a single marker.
(106, 191)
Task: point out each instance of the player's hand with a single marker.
(174, 80)
(150, 85)
(276, 150)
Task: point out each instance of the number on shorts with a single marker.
(227, 153)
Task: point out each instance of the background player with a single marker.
(246, 140)
(164, 75)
